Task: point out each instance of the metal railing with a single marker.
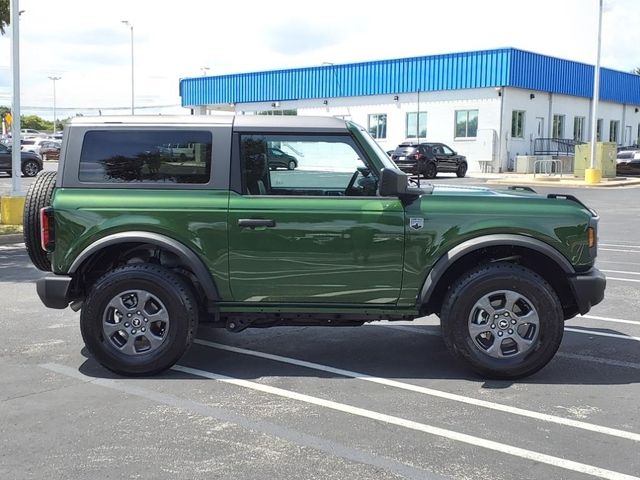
(555, 146)
(547, 167)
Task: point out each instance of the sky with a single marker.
(85, 43)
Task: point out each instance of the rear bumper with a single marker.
(588, 289)
(53, 290)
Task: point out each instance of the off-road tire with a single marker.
(173, 291)
(38, 196)
(481, 281)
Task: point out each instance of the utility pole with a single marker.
(128, 24)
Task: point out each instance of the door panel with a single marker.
(319, 250)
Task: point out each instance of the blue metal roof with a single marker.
(506, 67)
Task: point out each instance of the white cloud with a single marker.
(85, 43)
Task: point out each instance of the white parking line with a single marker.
(619, 245)
(609, 319)
(620, 271)
(602, 334)
(427, 391)
(416, 426)
(624, 279)
(617, 250)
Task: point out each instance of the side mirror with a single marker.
(393, 183)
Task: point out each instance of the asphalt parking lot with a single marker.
(373, 402)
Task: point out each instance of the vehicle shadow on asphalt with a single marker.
(377, 352)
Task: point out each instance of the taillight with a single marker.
(47, 231)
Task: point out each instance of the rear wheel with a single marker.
(139, 319)
(430, 170)
(30, 168)
(38, 196)
(503, 320)
(462, 170)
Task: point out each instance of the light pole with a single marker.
(128, 24)
(593, 174)
(204, 71)
(16, 167)
(53, 79)
(335, 76)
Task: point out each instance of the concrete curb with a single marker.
(11, 238)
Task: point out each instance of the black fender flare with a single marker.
(462, 249)
(188, 256)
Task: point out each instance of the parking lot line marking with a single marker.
(619, 245)
(416, 426)
(620, 271)
(333, 449)
(602, 334)
(427, 391)
(608, 319)
(624, 279)
(618, 250)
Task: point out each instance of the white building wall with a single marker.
(494, 142)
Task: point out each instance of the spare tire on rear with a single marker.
(38, 196)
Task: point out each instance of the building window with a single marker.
(416, 125)
(558, 126)
(378, 125)
(578, 129)
(278, 112)
(599, 130)
(466, 123)
(517, 124)
(614, 127)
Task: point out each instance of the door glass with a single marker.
(325, 165)
(447, 150)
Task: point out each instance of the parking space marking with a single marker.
(624, 279)
(608, 319)
(333, 449)
(620, 271)
(619, 245)
(416, 426)
(602, 334)
(573, 356)
(618, 250)
(427, 391)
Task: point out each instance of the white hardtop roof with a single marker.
(250, 121)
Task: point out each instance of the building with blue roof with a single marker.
(489, 105)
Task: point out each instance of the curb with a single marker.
(11, 238)
(563, 183)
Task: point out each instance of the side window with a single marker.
(146, 156)
(446, 150)
(304, 165)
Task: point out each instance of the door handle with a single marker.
(256, 222)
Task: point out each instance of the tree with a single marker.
(636, 71)
(4, 16)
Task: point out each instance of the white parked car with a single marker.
(32, 144)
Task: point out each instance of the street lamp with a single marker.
(128, 24)
(53, 79)
(204, 70)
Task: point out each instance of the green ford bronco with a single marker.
(153, 224)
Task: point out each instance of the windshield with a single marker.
(376, 149)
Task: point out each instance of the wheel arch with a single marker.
(532, 253)
(186, 255)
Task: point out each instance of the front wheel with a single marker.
(139, 319)
(503, 320)
(291, 165)
(462, 170)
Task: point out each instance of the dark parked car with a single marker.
(31, 163)
(429, 159)
(628, 163)
(50, 150)
(276, 158)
